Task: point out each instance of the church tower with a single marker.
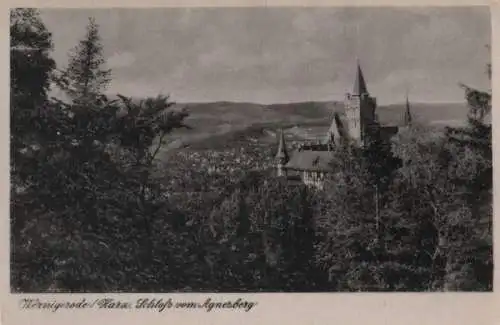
(360, 110)
(281, 156)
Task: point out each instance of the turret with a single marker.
(282, 155)
(359, 88)
(333, 136)
(407, 115)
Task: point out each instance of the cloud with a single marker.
(120, 60)
(284, 54)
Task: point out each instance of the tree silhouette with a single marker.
(85, 77)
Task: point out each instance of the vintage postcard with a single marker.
(218, 164)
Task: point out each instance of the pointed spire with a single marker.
(333, 134)
(407, 116)
(359, 83)
(282, 153)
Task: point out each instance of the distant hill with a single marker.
(224, 116)
(214, 122)
(244, 113)
(427, 113)
(249, 113)
(217, 122)
(219, 118)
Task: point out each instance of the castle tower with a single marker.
(359, 109)
(281, 156)
(407, 116)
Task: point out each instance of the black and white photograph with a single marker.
(251, 150)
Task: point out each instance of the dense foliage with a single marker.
(93, 209)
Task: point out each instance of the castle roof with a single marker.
(359, 83)
(311, 160)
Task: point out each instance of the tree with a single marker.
(30, 61)
(30, 70)
(451, 176)
(472, 172)
(346, 225)
(85, 78)
(141, 133)
(474, 146)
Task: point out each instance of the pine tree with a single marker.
(85, 78)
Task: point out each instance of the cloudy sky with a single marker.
(285, 54)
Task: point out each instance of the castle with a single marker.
(310, 163)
